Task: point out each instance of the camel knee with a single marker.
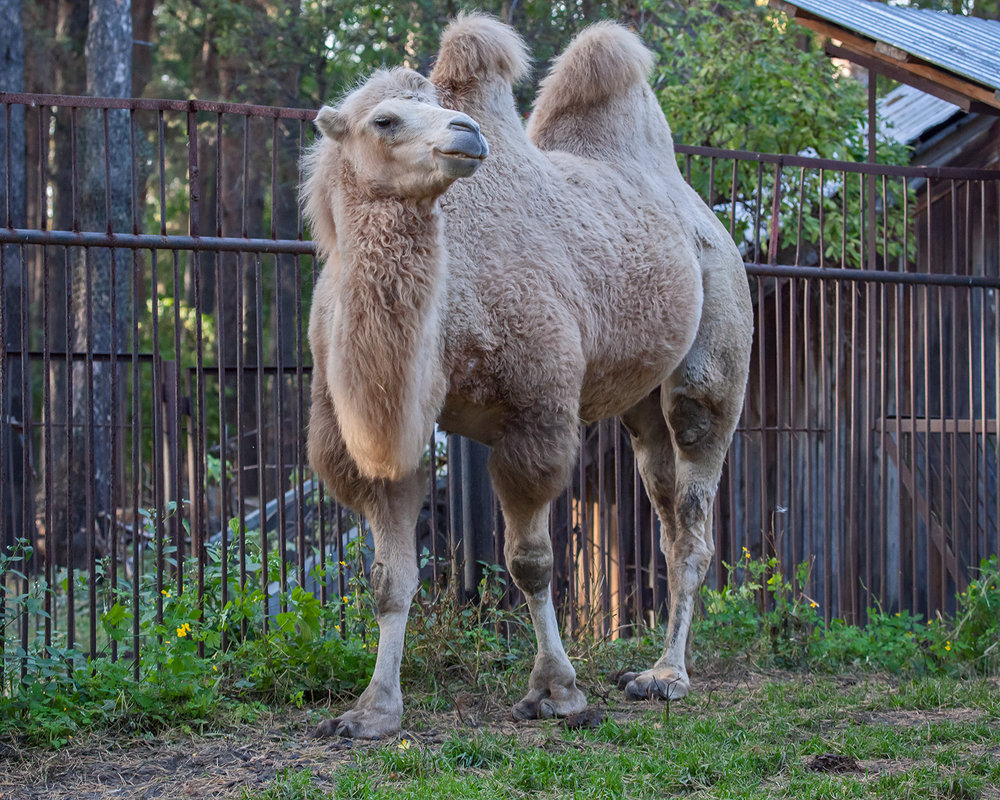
(530, 565)
(393, 587)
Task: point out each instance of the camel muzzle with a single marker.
(464, 151)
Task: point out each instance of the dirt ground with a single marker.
(221, 764)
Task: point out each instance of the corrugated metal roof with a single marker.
(967, 46)
(906, 112)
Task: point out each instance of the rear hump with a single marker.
(600, 65)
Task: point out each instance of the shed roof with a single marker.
(907, 113)
(958, 55)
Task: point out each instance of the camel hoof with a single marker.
(626, 678)
(356, 725)
(543, 704)
(656, 685)
(524, 710)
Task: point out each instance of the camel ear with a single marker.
(331, 123)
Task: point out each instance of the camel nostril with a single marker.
(466, 125)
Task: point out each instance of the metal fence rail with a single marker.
(153, 369)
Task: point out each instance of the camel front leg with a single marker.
(526, 478)
(394, 578)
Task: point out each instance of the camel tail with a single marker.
(601, 69)
(476, 48)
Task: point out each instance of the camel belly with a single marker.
(611, 389)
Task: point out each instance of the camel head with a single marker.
(396, 139)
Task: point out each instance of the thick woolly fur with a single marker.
(574, 276)
(476, 50)
(374, 329)
(573, 286)
(604, 64)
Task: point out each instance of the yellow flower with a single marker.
(336, 628)
(165, 592)
(746, 553)
(215, 668)
(947, 645)
(181, 632)
(813, 604)
(347, 599)
(343, 563)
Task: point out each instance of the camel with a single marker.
(562, 274)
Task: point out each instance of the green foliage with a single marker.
(975, 634)
(475, 640)
(737, 75)
(762, 616)
(200, 657)
(761, 605)
(194, 659)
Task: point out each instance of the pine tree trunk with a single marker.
(68, 77)
(101, 278)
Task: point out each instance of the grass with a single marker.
(909, 707)
(925, 738)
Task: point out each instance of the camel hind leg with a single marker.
(682, 489)
(681, 434)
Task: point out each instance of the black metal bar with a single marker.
(245, 245)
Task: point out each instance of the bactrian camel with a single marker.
(564, 274)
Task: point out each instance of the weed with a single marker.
(482, 752)
(200, 659)
(763, 617)
(289, 784)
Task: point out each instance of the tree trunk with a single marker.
(101, 278)
(68, 77)
(16, 516)
(142, 53)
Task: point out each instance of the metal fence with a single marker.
(154, 291)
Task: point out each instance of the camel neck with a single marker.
(387, 333)
(393, 249)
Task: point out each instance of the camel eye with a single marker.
(384, 123)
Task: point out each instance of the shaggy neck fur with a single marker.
(385, 370)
